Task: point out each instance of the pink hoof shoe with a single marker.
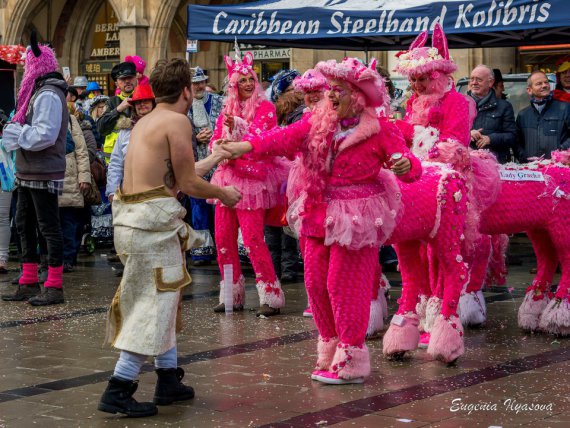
(308, 313)
(330, 378)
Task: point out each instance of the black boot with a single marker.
(118, 398)
(169, 388)
(24, 292)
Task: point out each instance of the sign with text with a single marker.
(105, 42)
(521, 175)
(264, 54)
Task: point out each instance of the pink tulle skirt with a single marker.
(256, 193)
(357, 216)
(486, 181)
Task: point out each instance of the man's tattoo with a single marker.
(169, 179)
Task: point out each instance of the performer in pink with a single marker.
(437, 125)
(247, 112)
(348, 206)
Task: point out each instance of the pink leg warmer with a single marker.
(29, 273)
(351, 362)
(446, 341)
(401, 336)
(326, 349)
(55, 277)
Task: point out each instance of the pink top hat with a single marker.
(421, 60)
(366, 79)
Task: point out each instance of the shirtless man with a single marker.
(145, 312)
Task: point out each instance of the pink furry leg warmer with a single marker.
(238, 291)
(270, 294)
(402, 335)
(555, 318)
(326, 349)
(433, 309)
(446, 342)
(534, 303)
(351, 362)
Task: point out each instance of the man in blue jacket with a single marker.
(543, 126)
(494, 127)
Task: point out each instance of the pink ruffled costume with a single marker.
(260, 182)
(342, 233)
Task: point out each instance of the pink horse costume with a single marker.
(440, 117)
(259, 182)
(347, 208)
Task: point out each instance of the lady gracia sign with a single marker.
(328, 19)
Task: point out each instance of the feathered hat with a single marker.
(310, 81)
(421, 60)
(365, 78)
(40, 60)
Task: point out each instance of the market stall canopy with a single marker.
(382, 24)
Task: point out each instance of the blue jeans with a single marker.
(71, 221)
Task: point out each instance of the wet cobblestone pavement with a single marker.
(250, 372)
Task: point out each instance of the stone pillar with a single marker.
(133, 29)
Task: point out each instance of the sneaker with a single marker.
(49, 296)
(330, 378)
(24, 292)
(424, 340)
(308, 312)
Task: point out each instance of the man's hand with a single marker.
(229, 122)
(110, 197)
(84, 187)
(124, 105)
(484, 141)
(237, 149)
(231, 196)
(476, 134)
(402, 166)
(203, 137)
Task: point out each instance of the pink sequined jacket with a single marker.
(260, 179)
(362, 199)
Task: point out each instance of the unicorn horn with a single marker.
(237, 51)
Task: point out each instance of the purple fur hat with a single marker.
(40, 60)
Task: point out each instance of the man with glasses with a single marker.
(494, 127)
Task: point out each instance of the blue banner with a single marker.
(358, 20)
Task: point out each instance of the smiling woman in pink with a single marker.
(347, 206)
(259, 180)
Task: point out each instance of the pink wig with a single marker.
(324, 122)
(34, 67)
(244, 109)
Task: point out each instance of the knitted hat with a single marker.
(139, 63)
(311, 80)
(281, 82)
(366, 79)
(421, 60)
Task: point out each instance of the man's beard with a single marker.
(199, 95)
